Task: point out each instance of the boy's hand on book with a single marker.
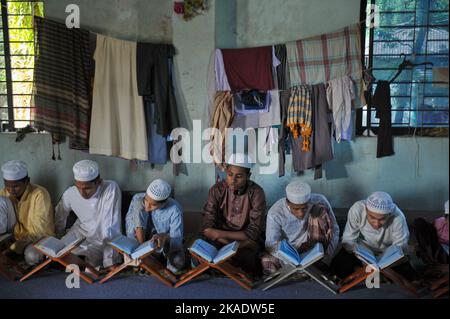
(223, 241)
(212, 234)
(159, 240)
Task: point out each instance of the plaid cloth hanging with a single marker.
(299, 115)
(325, 57)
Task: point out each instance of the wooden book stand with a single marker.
(8, 268)
(66, 259)
(145, 262)
(360, 275)
(288, 270)
(440, 287)
(223, 266)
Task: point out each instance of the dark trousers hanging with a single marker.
(382, 103)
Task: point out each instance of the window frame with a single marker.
(362, 130)
(10, 125)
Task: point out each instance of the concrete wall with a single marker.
(132, 20)
(417, 176)
(251, 23)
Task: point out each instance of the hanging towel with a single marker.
(325, 57)
(340, 96)
(61, 92)
(249, 68)
(118, 125)
(299, 116)
(222, 118)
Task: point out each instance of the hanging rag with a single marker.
(299, 115)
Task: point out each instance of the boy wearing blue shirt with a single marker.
(154, 216)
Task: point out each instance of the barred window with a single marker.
(17, 62)
(419, 31)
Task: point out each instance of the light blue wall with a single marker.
(417, 176)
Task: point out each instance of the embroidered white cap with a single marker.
(159, 190)
(298, 192)
(241, 160)
(85, 171)
(14, 170)
(380, 203)
(446, 208)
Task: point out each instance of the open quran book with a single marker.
(132, 247)
(289, 254)
(390, 256)
(55, 247)
(210, 253)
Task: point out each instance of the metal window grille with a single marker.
(418, 29)
(16, 62)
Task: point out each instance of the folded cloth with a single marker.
(260, 119)
(252, 102)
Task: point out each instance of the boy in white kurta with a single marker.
(376, 223)
(97, 204)
(303, 219)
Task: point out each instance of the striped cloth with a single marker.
(329, 56)
(61, 91)
(270, 264)
(320, 226)
(299, 114)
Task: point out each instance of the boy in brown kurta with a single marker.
(235, 211)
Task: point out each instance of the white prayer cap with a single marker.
(380, 203)
(241, 160)
(85, 171)
(159, 190)
(298, 192)
(14, 170)
(446, 208)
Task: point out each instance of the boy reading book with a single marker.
(378, 224)
(302, 219)
(96, 203)
(29, 213)
(156, 217)
(234, 211)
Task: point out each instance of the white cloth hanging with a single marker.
(118, 120)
